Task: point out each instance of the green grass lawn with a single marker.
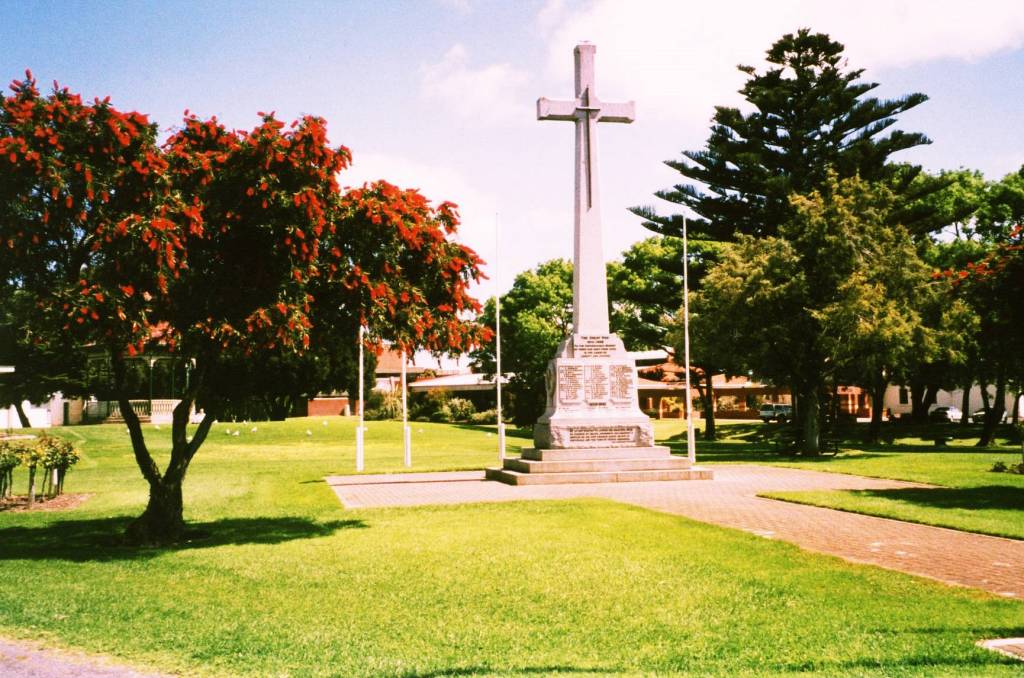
(279, 579)
(970, 496)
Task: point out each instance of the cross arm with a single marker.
(617, 112)
(548, 109)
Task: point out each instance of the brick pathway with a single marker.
(25, 659)
(962, 558)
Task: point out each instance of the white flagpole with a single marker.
(691, 448)
(405, 419)
(360, 429)
(497, 338)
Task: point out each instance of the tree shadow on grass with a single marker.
(101, 539)
(999, 497)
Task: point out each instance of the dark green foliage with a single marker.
(646, 287)
(536, 314)
(809, 114)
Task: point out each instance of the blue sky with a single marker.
(440, 94)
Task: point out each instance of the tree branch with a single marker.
(143, 458)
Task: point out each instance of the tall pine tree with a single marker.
(809, 114)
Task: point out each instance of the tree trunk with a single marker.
(918, 404)
(22, 417)
(877, 402)
(965, 406)
(1015, 416)
(31, 485)
(995, 413)
(162, 522)
(709, 406)
(985, 405)
(810, 412)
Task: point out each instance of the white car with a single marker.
(945, 413)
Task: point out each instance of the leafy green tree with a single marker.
(646, 293)
(536, 314)
(715, 349)
(808, 115)
(835, 288)
(646, 288)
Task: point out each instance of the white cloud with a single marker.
(463, 6)
(677, 59)
(526, 232)
(486, 94)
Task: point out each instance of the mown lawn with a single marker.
(279, 579)
(969, 497)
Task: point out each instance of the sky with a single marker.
(440, 94)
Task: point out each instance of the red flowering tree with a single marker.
(239, 243)
(994, 287)
(80, 185)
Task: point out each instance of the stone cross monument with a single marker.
(593, 429)
(589, 288)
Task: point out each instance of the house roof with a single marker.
(456, 382)
(390, 362)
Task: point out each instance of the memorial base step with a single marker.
(664, 463)
(587, 453)
(511, 477)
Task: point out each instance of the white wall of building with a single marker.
(39, 416)
(953, 398)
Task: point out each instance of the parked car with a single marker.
(775, 412)
(945, 413)
(979, 417)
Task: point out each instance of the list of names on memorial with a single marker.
(596, 384)
(621, 387)
(570, 384)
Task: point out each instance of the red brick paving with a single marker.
(962, 558)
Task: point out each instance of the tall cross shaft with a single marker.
(589, 282)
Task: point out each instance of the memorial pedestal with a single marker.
(593, 429)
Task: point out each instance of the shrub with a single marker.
(56, 455)
(10, 457)
(999, 467)
(458, 409)
(485, 417)
(390, 407)
(428, 403)
(31, 457)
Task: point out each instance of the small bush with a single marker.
(422, 419)
(390, 407)
(999, 467)
(55, 454)
(485, 417)
(458, 409)
(428, 403)
(10, 457)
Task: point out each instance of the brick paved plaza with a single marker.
(993, 564)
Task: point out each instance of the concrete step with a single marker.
(594, 465)
(587, 453)
(516, 478)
